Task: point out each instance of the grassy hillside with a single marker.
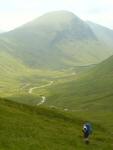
(15, 76)
(91, 91)
(24, 127)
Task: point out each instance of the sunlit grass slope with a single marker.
(33, 128)
(91, 91)
(16, 77)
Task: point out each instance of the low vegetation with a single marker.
(25, 127)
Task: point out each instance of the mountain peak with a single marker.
(60, 34)
(56, 17)
(60, 13)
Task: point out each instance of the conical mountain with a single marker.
(55, 40)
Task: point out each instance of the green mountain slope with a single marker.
(91, 91)
(55, 40)
(16, 78)
(26, 128)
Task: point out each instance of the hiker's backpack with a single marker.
(88, 128)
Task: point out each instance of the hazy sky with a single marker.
(14, 13)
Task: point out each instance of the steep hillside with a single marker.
(55, 40)
(26, 128)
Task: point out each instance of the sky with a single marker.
(14, 13)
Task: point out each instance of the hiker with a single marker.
(87, 130)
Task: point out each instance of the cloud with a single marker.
(104, 18)
(9, 21)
